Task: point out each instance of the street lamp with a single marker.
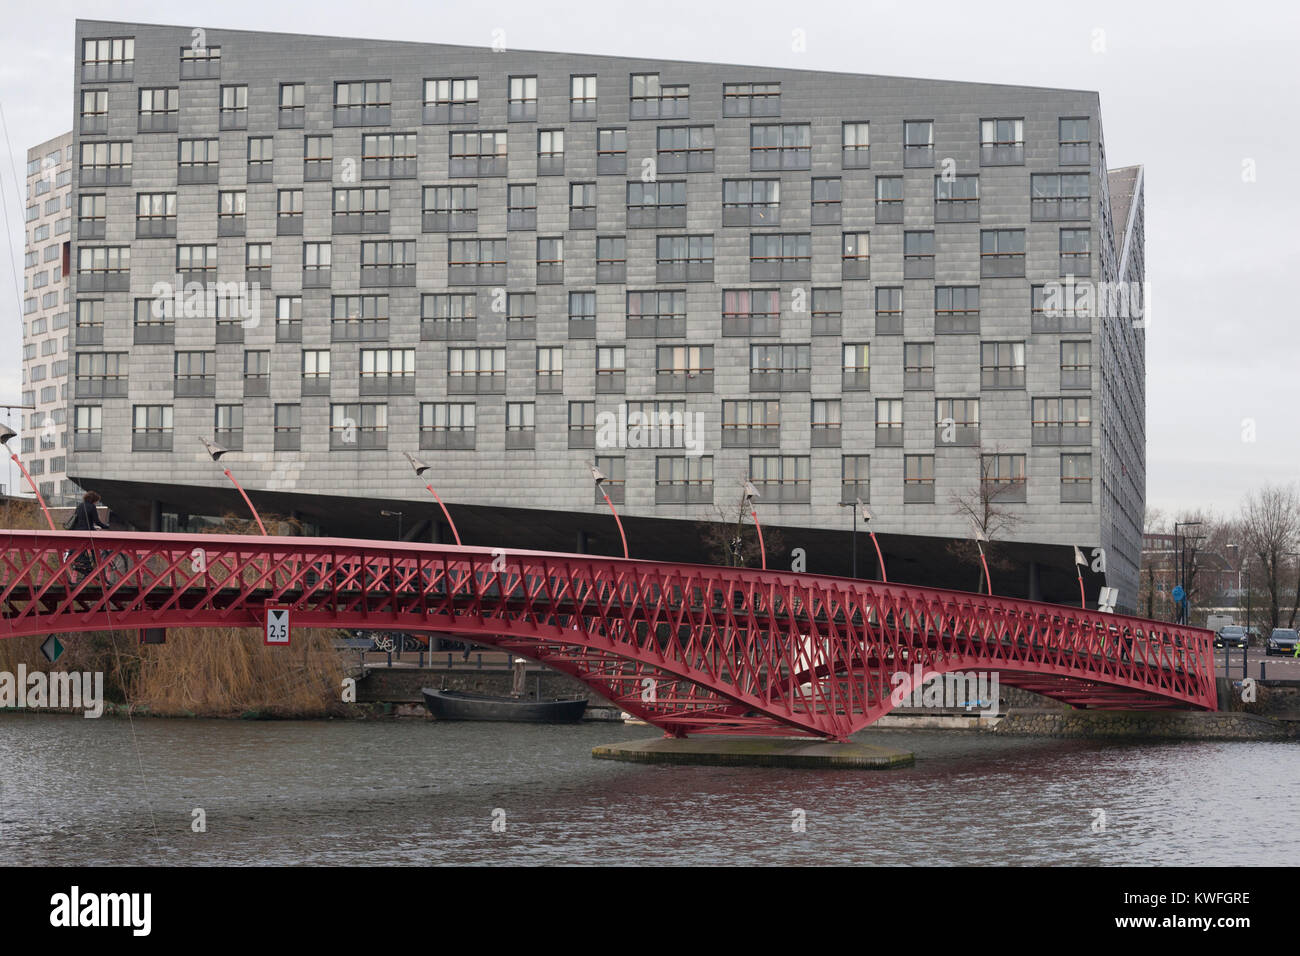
(861, 510)
(215, 452)
(7, 433)
(750, 493)
(599, 477)
(398, 516)
(420, 468)
(1079, 563)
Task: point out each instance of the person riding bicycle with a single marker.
(85, 518)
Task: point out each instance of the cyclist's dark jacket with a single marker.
(86, 518)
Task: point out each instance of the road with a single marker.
(1275, 668)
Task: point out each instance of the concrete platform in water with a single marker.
(757, 752)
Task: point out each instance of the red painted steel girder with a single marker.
(688, 648)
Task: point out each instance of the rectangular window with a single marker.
(550, 260)
(918, 479)
(785, 368)
(751, 424)
(683, 479)
(889, 310)
(918, 255)
(855, 151)
(649, 99)
(1062, 421)
(1076, 252)
(957, 199)
(318, 158)
(317, 262)
(684, 368)
(261, 154)
(656, 314)
(751, 202)
(661, 203)
(582, 97)
(751, 99)
(450, 209)
(825, 420)
(1002, 253)
(228, 427)
(582, 424)
(1059, 196)
(1003, 478)
(88, 428)
(521, 316)
(448, 317)
(447, 426)
(200, 62)
(388, 263)
(388, 156)
(293, 105)
(855, 479)
(197, 161)
(106, 164)
(1002, 365)
(234, 107)
(684, 149)
(155, 215)
(1076, 479)
(521, 106)
(451, 100)
(957, 421)
(476, 261)
(154, 322)
(387, 372)
(827, 201)
(827, 311)
(855, 255)
(658, 424)
(521, 206)
(477, 154)
(550, 152)
(1075, 140)
(889, 423)
(918, 143)
(582, 205)
(550, 369)
(582, 315)
(855, 368)
(288, 318)
(288, 427)
(108, 59)
(476, 371)
(1053, 309)
(750, 312)
(359, 427)
(918, 365)
(315, 372)
(288, 212)
(194, 375)
(232, 207)
(782, 479)
(359, 318)
(92, 216)
(889, 199)
(1002, 142)
(520, 425)
(781, 146)
(151, 428)
(611, 369)
(956, 309)
(684, 258)
(363, 103)
(611, 151)
(158, 110)
(780, 256)
(1076, 364)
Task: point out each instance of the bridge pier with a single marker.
(799, 753)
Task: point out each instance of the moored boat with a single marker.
(461, 705)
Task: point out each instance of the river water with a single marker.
(109, 791)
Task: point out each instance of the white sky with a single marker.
(1190, 90)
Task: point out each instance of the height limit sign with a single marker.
(277, 626)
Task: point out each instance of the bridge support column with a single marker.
(583, 543)
(155, 515)
(1034, 587)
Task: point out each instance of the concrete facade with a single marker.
(47, 305)
(337, 453)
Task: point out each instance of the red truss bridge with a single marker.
(688, 648)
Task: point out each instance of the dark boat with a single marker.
(459, 705)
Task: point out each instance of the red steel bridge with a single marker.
(688, 648)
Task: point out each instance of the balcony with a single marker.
(460, 220)
(387, 385)
(684, 493)
(199, 386)
(151, 440)
(448, 330)
(889, 436)
(447, 439)
(358, 115)
(675, 381)
(387, 276)
(520, 439)
(656, 327)
(780, 380)
(784, 492)
(352, 223)
(751, 436)
(825, 436)
(751, 325)
(918, 492)
(363, 439)
(201, 174)
(315, 385)
(154, 333)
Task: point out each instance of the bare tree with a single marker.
(1270, 522)
(984, 507)
(731, 539)
(1153, 561)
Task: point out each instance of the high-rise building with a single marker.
(326, 252)
(47, 305)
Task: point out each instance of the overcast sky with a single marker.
(1189, 90)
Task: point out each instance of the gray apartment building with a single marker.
(326, 252)
(47, 307)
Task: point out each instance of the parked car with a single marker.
(1233, 635)
(1281, 641)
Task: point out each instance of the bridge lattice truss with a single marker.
(688, 648)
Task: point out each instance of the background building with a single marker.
(47, 305)
(485, 257)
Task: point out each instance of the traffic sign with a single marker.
(277, 626)
(1179, 594)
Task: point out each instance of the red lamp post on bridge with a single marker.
(1079, 563)
(866, 515)
(7, 433)
(215, 452)
(420, 468)
(600, 478)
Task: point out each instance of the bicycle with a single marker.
(113, 571)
